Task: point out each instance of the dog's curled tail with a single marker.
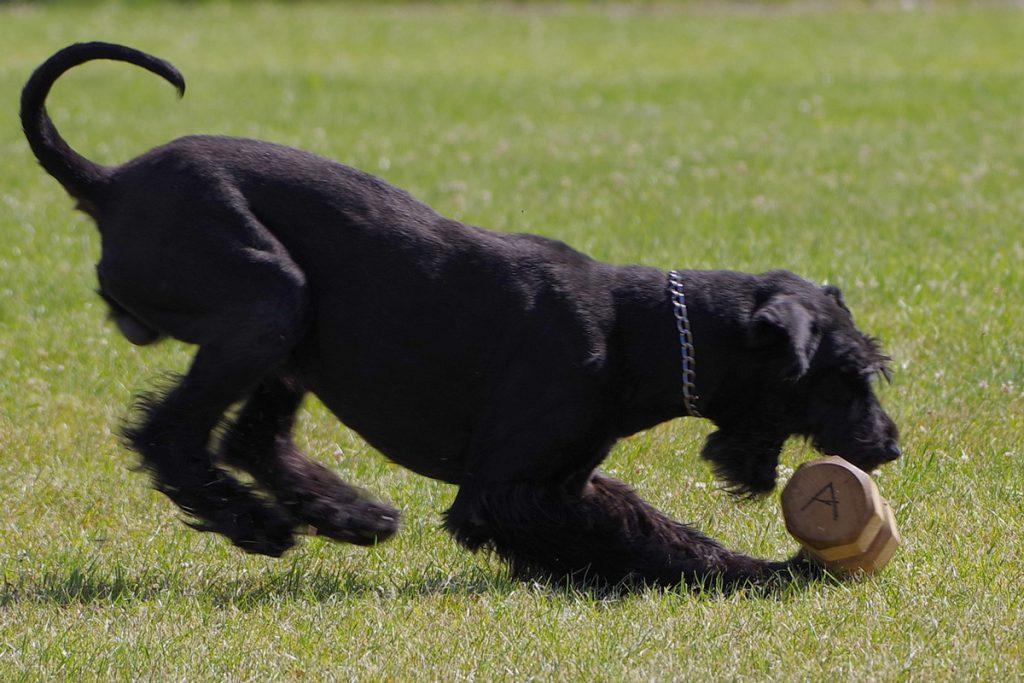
(79, 176)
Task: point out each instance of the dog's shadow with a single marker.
(299, 584)
(78, 586)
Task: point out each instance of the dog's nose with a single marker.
(892, 450)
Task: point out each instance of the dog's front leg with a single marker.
(260, 443)
(604, 534)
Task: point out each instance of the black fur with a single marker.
(507, 364)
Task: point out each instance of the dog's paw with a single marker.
(272, 539)
(253, 527)
(360, 522)
(804, 566)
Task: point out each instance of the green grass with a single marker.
(868, 146)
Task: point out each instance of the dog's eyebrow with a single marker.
(877, 360)
(885, 372)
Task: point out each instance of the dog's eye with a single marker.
(858, 382)
(834, 388)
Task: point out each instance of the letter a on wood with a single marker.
(831, 501)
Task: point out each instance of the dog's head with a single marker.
(804, 369)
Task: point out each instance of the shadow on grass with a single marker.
(85, 585)
(779, 589)
(302, 584)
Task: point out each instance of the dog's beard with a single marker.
(745, 462)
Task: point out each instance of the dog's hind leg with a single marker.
(260, 443)
(232, 290)
(172, 439)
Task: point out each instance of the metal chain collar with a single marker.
(675, 288)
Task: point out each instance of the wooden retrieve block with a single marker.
(834, 509)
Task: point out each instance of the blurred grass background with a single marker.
(875, 146)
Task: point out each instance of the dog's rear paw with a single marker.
(254, 527)
(360, 522)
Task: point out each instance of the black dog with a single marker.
(506, 364)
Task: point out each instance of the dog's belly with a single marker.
(417, 407)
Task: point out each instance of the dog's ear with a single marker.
(786, 325)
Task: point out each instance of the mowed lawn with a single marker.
(876, 148)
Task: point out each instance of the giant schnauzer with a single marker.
(507, 364)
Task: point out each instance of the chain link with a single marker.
(675, 288)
